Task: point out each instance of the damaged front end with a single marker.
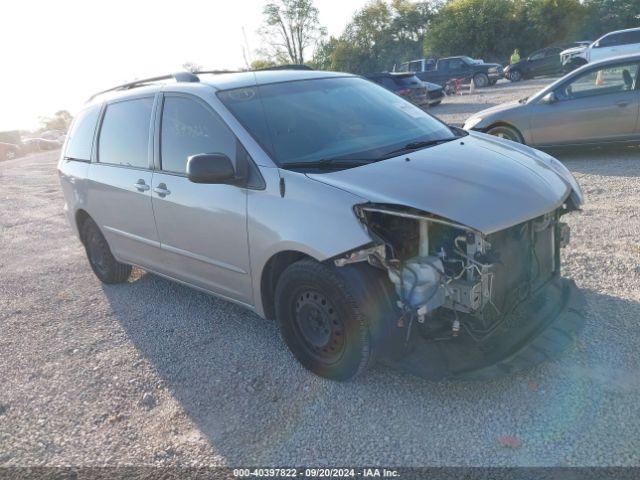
(469, 304)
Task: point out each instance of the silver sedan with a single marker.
(598, 103)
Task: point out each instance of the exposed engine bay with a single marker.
(451, 278)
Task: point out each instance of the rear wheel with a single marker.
(102, 261)
(480, 80)
(322, 320)
(506, 132)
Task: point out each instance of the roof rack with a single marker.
(178, 76)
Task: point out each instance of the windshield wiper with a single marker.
(327, 164)
(410, 147)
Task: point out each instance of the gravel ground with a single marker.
(153, 373)
(456, 109)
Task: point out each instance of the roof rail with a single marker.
(178, 76)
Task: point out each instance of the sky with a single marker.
(56, 54)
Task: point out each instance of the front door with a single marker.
(202, 227)
(600, 105)
(119, 195)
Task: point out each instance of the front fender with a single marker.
(303, 215)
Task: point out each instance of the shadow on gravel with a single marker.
(602, 161)
(236, 381)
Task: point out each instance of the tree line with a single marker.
(384, 33)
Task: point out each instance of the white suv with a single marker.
(613, 44)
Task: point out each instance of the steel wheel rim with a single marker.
(318, 326)
(97, 255)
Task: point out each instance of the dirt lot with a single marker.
(154, 373)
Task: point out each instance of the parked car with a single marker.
(595, 104)
(546, 61)
(435, 93)
(407, 85)
(613, 44)
(571, 58)
(368, 229)
(440, 71)
(40, 144)
(9, 151)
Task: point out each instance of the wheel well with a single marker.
(271, 274)
(81, 217)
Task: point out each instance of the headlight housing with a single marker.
(472, 122)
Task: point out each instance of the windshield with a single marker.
(346, 118)
(468, 60)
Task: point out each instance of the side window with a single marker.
(404, 67)
(124, 135)
(443, 64)
(611, 79)
(632, 37)
(611, 40)
(415, 66)
(80, 140)
(537, 55)
(456, 64)
(189, 128)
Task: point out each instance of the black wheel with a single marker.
(515, 75)
(102, 262)
(480, 80)
(506, 132)
(322, 320)
(435, 104)
(493, 82)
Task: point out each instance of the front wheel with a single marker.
(480, 80)
(506, 132)
(102, 261)
(322, 321)
(515, 76)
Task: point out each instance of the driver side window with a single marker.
(189, 128)
(612, 79)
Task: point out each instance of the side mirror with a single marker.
(210, 168)
(549, 98)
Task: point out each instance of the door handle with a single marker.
(141, 186)
(162, 190)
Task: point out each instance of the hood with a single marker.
(486, 184)
(482, 116)
(432, 86)
(574, 50)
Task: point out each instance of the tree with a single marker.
(380, 35)
(290, 28)
(602, 16)
(491, 29)
(259, 64)
(191, 67)
(59, 121)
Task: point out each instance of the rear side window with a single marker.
(632, 37)
(81, 135)
(124, 135)
(189, 128)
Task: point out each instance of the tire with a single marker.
(493, 82)
(480, 80)
(11, 154)
(515, 75)
(322, 320)
(102, 261)
(506, 132)
(435, 104)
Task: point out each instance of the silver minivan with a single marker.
(368, 229)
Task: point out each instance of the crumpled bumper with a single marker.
(538, 330)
